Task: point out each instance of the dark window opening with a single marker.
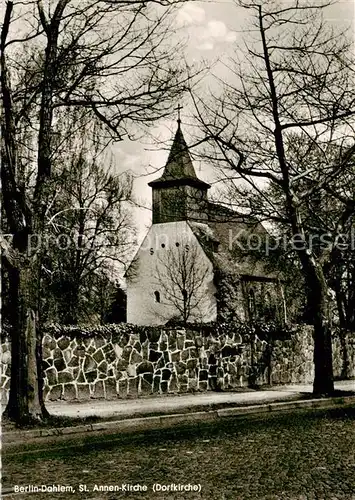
(163, 245)
(157, 296)
(269, 307)
(251, 304)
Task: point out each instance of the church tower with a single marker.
(179, 195)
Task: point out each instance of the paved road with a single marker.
(299, 456)
(177, 403)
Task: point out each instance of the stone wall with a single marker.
(130, 361)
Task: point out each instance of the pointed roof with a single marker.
(179, 168)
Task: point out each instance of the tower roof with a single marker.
(179, 168)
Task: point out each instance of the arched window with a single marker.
(157, 296)
(269, 307)
(251, 304)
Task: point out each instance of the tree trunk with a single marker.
(17, 407)
(323, 362)
(24, 399)
(34, 405)
(70, 316)
(39, 360)
(25, 404)
(341, 305)
(350, 305)
(318, 299)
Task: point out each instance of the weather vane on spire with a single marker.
(179, 108)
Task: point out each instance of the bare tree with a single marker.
(89, 229)
(109, 58)
(182, 277)
(296, 78)
(325, 222)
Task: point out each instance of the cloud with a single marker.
(217, 29)
(215, 32)
(190, 14)
(206, 46)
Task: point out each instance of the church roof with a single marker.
(219, 238)
(179, 168)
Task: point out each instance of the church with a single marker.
(190, 267)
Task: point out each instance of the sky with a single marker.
(214, 30)
(210, 36)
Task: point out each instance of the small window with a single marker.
(184, 294)
(151, 251)
(157, 296)
(163, 245)
(251, 304)
(269, 307)
(177, 244)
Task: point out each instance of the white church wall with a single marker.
(150, 275)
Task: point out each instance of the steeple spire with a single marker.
(179, 166)
(178, 194)
(179, 108)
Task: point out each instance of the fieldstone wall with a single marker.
(126, 361)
